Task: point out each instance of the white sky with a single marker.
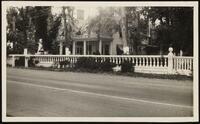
(88, 11)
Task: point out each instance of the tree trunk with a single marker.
(123, 27)
(13, 23)
(65, 33)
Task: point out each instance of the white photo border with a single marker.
(195, 117)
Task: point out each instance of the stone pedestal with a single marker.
(26, 57)
(13, 61)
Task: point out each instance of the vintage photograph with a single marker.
(100, 61)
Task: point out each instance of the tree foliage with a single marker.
(20, 29)
(137, 28)
(26, 25)
(65, 28)
(70, 25)
(54, 23)
(41, 15)
(176, 27)
(104, 22)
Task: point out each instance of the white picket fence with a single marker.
(168, 64)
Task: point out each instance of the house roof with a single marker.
(91, 38)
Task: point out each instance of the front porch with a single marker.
(92, 46)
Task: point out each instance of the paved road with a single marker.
(67, 94)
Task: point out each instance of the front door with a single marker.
(79, 48)
(106, 49)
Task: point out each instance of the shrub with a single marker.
(127, 66)
(107, 65)
(36, 61)
(31, 62)
(63, 64)
(93, 64)
(82, 62)
(55, 64)
(87, 63)
(20, 61)
(90, 63)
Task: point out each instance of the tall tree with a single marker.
(133, 30)
(54, 21)
(11, 28)
(26, 25)
(66, 28)
(41, 15)
(176, 27)
(20, 30)
(137, 28)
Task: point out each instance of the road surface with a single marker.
(39, 93)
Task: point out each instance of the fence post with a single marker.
(170, 60)
(181, 53)
(26, 57)
(13, 61)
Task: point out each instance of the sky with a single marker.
(88, 11)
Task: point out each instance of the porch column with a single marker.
(74, 48)
(100, 47)
(61, 48)
(84, 47)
